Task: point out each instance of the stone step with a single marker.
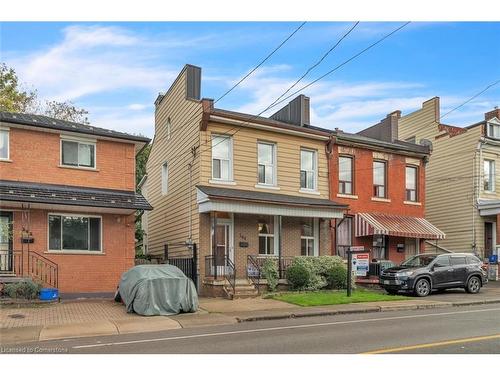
(13, 279)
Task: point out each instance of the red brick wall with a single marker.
(84, 273)
(35, 157)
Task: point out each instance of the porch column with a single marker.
(280, 250)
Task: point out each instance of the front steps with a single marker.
(10, 277)
(243, 289)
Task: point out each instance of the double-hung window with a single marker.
(74, 232)
(379, 179)
(4, 144)
(493, 130)
(266, 163)
(164, 178)
(489, 175)
(411, 184)
(222, 155)
(345, 175)
(266, 235)
(77, 153)
(308, 169)
(308, 237)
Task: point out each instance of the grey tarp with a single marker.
(157, 290)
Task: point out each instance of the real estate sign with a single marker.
(360, 262)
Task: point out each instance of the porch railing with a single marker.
(11, 262)
(43, 269)
(221, 268)
(256, 262)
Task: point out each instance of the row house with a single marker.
(246, 188)
(382, 180)
(463, 186)
(67, 203)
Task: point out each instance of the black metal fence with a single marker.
(220, 267)
(185, 257)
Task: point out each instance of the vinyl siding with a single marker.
(450, 183)
(245, 159)
(169, 220)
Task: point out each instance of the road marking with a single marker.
(280, 328)
(433, 344)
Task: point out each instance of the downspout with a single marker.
(476, 183)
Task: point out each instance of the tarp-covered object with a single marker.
(160, 289)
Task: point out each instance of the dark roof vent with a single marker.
(193, 82)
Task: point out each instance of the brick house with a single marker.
(382, 180)
(242, 188)
(67, 202)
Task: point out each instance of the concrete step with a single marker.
(4, 279)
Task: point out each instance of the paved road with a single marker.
(420, 331)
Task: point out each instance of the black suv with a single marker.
(423, 273)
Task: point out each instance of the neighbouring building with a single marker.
(242, 188)
(463, 187)
(67, 202)
(383, 181)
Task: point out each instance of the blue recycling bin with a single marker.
(49, 294)
(493, 258)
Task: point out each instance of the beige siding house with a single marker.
(242, 188)
(462, 186)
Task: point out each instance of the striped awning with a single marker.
(368, 224)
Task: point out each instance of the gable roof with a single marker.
(46, 122)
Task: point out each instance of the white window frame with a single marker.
(273, 165)
(351, 158)
(164, 178)
(491, 124)
(76, 251)
(314, 237)
(276, 234)
(92, 142)
(230, 160)
(315, 170)
(492, 175)
(7, 131)
(416, 183)
(169, 129)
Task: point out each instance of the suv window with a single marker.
(442, 262)
(457, 261)
(473, 260)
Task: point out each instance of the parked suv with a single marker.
(423, 273)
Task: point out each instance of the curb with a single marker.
(423, 306)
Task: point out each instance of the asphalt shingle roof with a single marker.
(248, 195)
(52, 123)
(30, 192)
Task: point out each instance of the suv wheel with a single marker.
(473, 285)
(422, 288)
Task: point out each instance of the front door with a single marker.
(488, 239)
(223, 245)
(6, 256)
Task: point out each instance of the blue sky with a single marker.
(115, 70)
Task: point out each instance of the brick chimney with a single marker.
(492, 114)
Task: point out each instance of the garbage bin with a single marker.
(493, 272)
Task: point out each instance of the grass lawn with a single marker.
(335, 297)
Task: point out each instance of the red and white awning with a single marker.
(368, 224)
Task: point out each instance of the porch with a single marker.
(239, 230)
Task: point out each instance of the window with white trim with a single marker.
(345, 174)
(169, 128)
(489, 175)
(266, 163)
(308, 240)
(266, 235)
(493, 130)
(4, 144)
(308, 169)
(74, 232)
(411, 184)
(222, 155)
(379, 179)
(78, 154)
(164, 178)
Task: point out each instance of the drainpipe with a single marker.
(476, 185)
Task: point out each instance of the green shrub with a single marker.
(318, 268)
(270, 272)
(298, 276)
(336, 277)
(23, 289)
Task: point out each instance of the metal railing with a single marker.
(253, 271)
(257, 262)
(221, 268)
(438, 247)
(43, 269)
(11, 262)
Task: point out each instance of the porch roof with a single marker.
(368, 224)
(488, 207)
(64, 195)
(211, 198)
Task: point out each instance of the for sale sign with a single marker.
(360, 264)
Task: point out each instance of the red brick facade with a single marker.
(35, 157)
(361, 201)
